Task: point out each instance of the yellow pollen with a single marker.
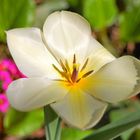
(73, 75)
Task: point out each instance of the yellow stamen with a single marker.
(74, 76)
(85, 64)
(74, 59)
(67, 66)
(63, 66)
(87, 73)
(60, 72)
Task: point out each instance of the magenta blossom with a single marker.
(8, 73)
(4, 104)
(5, 78)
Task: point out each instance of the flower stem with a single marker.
(58, 130)
(47, 129)
(52, 124)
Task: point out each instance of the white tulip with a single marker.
(68, 69)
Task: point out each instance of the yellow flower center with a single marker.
(72, 75)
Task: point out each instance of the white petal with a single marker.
(29, 52)
(116, 81)
(31, 93)
(65, 32)
(80, 109)
(96, 54)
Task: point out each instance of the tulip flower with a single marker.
(68, 69)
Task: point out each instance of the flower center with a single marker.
(72, 75)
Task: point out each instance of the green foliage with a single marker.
(100, 13)
(122, 111)
(135, 135)
(14, 14)
(21, 123)
(74, 3)
(74, 134)
(117, 115)
(130, 24)
(116, 128)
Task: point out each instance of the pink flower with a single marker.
(6, 79)
(4, 104)
(9, 65)
(8, 73)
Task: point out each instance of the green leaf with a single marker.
(100, 13)
(131, 105)
(125, 109)
(21, 123)
(116, 128)
(135, 135)
(74, 3)
(130, 24)
(74, 134)
(117, 115)
(14, 14)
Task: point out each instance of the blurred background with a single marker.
(115, 23)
